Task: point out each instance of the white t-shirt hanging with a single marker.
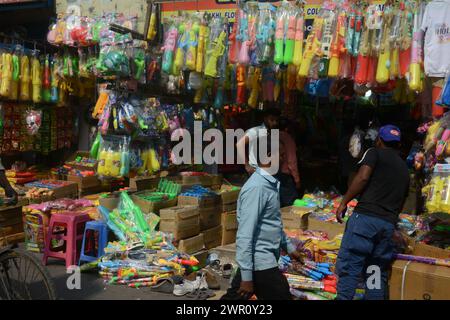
(436, 25)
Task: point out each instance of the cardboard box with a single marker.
(192, 245)
(332, 229)
(230, 196)
(203, 180)
(85, 182)
(229, 227)
(86, 154)
(421, 282)
(229, 207)
(150, 206)
(213, 237)
(183, 222)
(209, 217)
(201, 202)
(144, 183)
(295, 217)
(70, 190)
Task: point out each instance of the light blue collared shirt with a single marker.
(260, 236)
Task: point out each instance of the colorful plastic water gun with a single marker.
(301, 282)
(240, 77)
(405, 39)
(15, 60)
(382, 75)
(151, 32)
(253, 14)
(337, 45)
(415, 68)
(298, 46)
(55, 80)
(169, 48)
(357, 33)
(350, 34)
(243, 37)
(394, 40)
(312, 45)
(6, 74)
(255, 81)
(202, 35)
(290, 39)
(327, 37)
(36, 79)
(233, 43)
(25, 77)
(266, 31)
(46, 80)
(217, 51)
(181, 47)
(362, 63)
(279, 36)
(192, 43)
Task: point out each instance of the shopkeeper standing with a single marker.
(4, 183)
(382, 182)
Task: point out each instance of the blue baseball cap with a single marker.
(390, 133)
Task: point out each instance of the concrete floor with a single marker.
(94, 288)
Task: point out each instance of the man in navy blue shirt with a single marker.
(382, 182)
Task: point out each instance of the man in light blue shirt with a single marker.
(260, 238)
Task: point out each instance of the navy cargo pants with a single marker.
(366, 252)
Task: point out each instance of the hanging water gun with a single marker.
(405, 39)
(357, 33)
(202, 35)
(337, 45)
(15, 60)
(36, 79)
(350, 34)
(327, 38)
(151, 33)
(394, 43)
(264, 36)
(192, 43)
(312, 45)
(233, 43)
(240, 78)
(363, 60)
(415, 68)
(217, 50)
(298, 46)
(279, 36)
(6, 75)
(252, 27)
(46, 80)
(243, 37)
(25, 78)
(255, 80)
(290, 38)
(181, 45)
(169, 48)
(382, 75)
(55, 79)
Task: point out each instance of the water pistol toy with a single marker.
(338, 45)
(181, 47)
(279, 36)
(290, 39)
(151, 32)
(298, 46)
(243, 37)
(202, 35)
(169, 48)
(233, 43)
(192, 43)
(312, 45)
(301, 282)
(265, 34)
(217, 50)
(382, 75)
(25, 77)
(36, 79)
(326, 41)
(255, 79)
(7, 70)
(415, 68)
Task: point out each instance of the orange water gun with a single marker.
(338, 42)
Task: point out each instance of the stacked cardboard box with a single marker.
(182, 221)
(229, 227)
(11, 225)
(295, 217)
(209, 209)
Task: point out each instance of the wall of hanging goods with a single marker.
(192, 60)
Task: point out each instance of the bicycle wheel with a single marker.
(22, 277)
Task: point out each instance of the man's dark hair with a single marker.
(272, 111)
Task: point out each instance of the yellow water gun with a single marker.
(415, 67)
(191, 53)
(312, 45)
(218, 49)
(14, 92)
(255, 81)
(152, 163)
(382, 75)
(151, 32)
(179, 55)
(36, 79)
(5, 87)
(25, 78)
(338, 39)
(202, 32)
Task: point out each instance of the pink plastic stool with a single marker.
(74, 223)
